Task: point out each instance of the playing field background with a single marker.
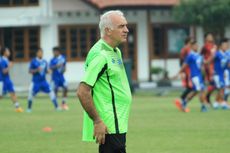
(155, 127)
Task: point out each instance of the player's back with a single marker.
(4, 64)
(194, 61)
(227, 54)
(0, 69)
(58, 72)
(220, 61)
(42, 65)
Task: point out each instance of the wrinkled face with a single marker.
(119, 31)
(209, 38)
(224, 46)
(39, 53)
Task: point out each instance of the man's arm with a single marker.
(85, 97)
(5, 68)
(32, 71)
(180, 71)
(52, 67)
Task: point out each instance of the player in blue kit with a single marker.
(1, 82)
(220, 62)
(58, 67)
(39, 68)
(195, 62)
(6, 85)
(227, 76)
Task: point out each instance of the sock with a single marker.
(226, 93)
(208, 98)
(53, 98)
(184, 103)
(16, 104)
(64, 100)
(224, 104)
(30, 104)
(203, 106)
(55, 103)
(215, 104)
(185, 93)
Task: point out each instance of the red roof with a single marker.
(102, 4)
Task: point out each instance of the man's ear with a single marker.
(107, 31)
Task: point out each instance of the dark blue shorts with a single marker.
(59, 83)
(8, 86)
(219, 81)
(40, 87)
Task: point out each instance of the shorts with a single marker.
(1, 88)
(198, 83)
(8, 86)
(39, 87)
(219, 81)
(55, 84)
(114, 143)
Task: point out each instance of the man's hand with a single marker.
(59, 65)
(99, 132)
(11, 64)
(39, 69)
(176, 76)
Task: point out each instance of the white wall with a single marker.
(172, 65)
(161, 16)
(140, 18)
(24, 16)
(69, 6)
(20, 75)
(74, 72)
(200, 37)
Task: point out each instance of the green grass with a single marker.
(155, 127)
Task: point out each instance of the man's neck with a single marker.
(4, 56)
(110, 42)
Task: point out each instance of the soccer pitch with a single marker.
(155, 127)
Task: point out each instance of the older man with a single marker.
(104, 91)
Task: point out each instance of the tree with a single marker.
(212, 15)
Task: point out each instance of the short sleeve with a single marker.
(3, 65)
(93, 69)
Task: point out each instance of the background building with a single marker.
(154, 40)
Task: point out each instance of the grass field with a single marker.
(155, 127)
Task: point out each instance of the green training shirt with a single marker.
(105, 73)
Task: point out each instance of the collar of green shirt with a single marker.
(107, 46)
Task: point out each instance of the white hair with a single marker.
(106, 22)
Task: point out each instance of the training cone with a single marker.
(47, 129)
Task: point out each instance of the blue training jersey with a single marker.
(194, 61)
(0, 70)
(220, 62)
(38, 63)
(58, 73)
(4, 64)
(227, 53)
